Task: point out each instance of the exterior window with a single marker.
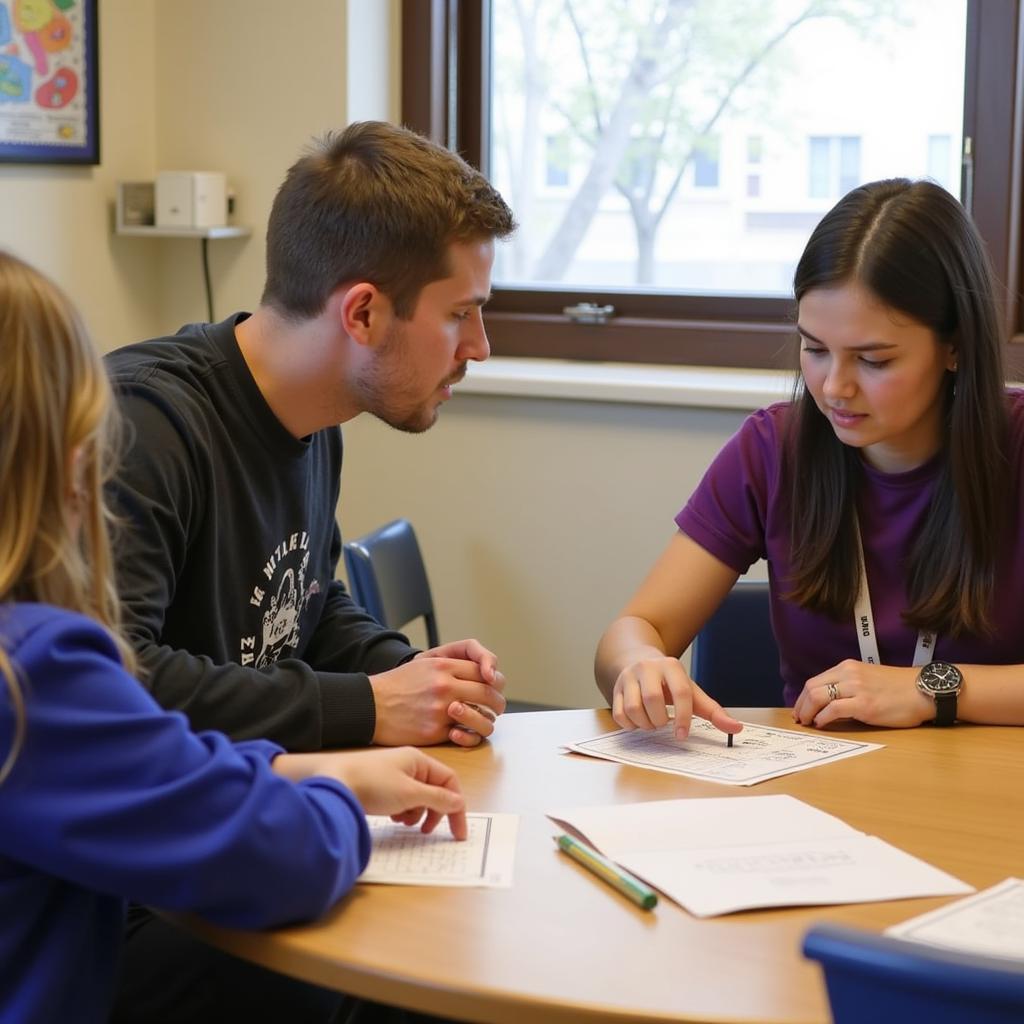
(705, 165)
(849, 164)
(755, 154)
(661, 162)
(835, 166)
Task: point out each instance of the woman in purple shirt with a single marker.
(886, 497)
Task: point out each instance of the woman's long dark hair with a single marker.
(913, 247)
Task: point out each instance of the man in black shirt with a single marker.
(379, 254)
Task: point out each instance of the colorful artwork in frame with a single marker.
(49, 82)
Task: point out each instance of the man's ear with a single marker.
(364, 311)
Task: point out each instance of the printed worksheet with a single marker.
(757, 753)
(405, 856)
(717, 855)
(990, 923)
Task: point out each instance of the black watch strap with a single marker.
(945, 708)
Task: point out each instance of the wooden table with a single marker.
(562, 946)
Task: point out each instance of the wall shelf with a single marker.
(150, 231)
(203, 234)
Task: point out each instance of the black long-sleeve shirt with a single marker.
(228, 548)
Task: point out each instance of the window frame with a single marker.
(446, 75)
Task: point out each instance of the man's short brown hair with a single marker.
(375, 203)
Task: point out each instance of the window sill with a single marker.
(687, 386)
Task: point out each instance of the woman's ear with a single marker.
(74, 487)
(74, 482)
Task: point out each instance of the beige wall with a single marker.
(537, 517)
(59, 218)
(241, 87)
(234, 85)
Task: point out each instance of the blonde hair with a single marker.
(58, 425)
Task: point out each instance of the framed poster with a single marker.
(49, 82)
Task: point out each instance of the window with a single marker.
(755, 153)
(713, 158)
(834, 166)
(705, 164)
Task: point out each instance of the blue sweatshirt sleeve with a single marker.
(114, 794)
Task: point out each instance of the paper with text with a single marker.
(723, 854)
(757, 753)
(405, 856)
(990, 923)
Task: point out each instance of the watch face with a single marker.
(940, 677)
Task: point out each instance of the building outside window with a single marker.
(705, 164)
(834, 165)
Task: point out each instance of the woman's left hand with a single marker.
(873, 694)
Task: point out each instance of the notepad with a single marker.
(405, 856)
(990, 923)
(758, 753)
(719, 855)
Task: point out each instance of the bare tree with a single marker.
(644, 126)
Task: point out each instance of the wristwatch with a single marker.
(942, 682)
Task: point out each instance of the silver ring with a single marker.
(833, 692)
(483, 709)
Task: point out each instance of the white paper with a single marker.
(758, 753)
(990, 923)
(719, 855)
(405, 856)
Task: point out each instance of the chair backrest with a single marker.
(386, 575)
(890, 981)
(735, 657)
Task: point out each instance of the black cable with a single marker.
(204, 242)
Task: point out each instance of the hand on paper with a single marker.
(450, 693)
(410, 786)
(873, 694)
(636, 665)
(644, 690)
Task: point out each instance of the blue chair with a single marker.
(890, 981)
(386, 575)
(734, 657)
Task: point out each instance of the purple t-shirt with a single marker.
(740, 513)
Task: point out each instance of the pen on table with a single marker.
(630, 887)
(730, 739)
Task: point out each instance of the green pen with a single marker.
(630, 887)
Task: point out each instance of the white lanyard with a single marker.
(864, 621)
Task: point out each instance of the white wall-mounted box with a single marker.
(191, 199)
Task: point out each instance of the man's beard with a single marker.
(387, 379)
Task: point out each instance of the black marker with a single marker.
(730, 740)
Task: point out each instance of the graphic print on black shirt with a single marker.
(283, 598)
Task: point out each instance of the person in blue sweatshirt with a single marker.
(104, 796)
